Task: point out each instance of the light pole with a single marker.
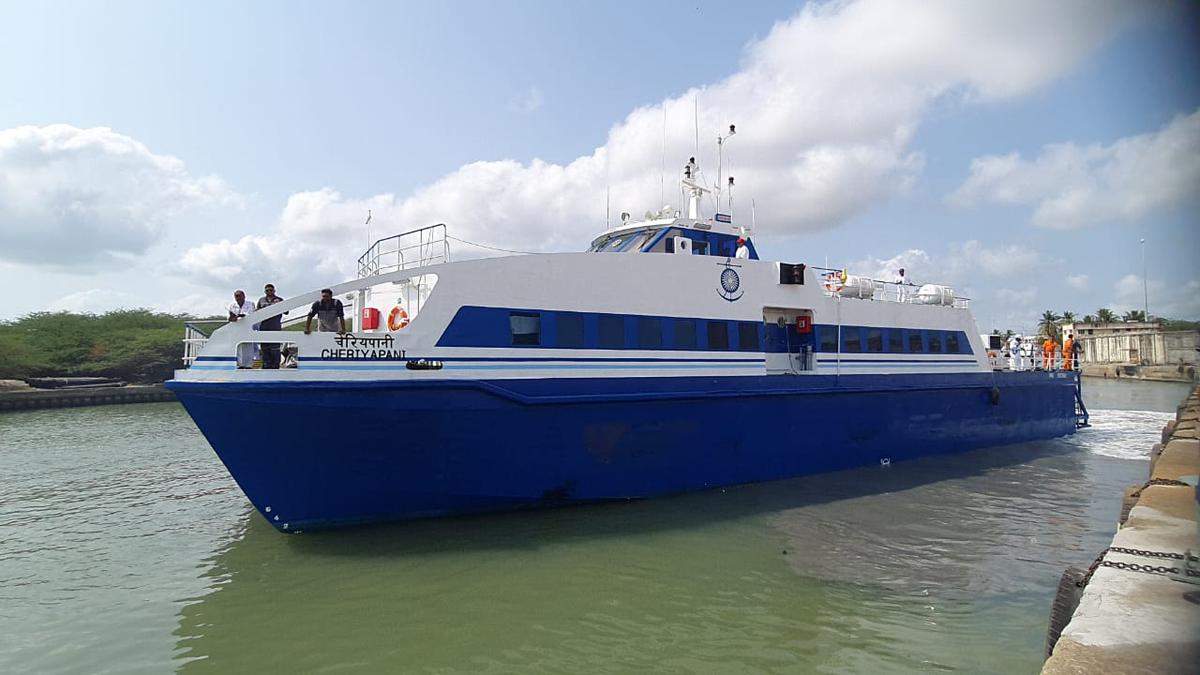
(1145, 285)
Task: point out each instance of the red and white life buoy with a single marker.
(397, 318)
(835, 281)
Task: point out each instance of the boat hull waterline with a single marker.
(311, 455)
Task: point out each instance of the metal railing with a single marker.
(196, 333)
(407, 250)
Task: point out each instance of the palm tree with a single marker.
(1049, 323)
(1134, 315)
(1090, 318)
(1105, 315)
(1067, 317)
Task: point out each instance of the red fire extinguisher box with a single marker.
(370, 318)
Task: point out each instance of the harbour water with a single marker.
(125, 547)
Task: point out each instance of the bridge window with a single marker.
(569, 329)
(718, 335)
(935, 342)
(916, 343)
(748, 336)
(649, 333)
(612, 331)
(874, 339)
(895, 341)
(526, 328)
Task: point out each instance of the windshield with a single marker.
(631, 242)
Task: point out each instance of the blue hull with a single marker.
(314, 455)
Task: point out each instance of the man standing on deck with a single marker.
(270, 350)
(743, 252)
(901, 281)
(331, 318)
(1015, 362)
(1049, 347)
(239, 309)
(1068, 351)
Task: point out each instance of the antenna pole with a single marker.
(368, 224)
(662, 174)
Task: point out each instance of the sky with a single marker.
(161, 154)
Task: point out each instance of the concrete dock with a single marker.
(28, 398)
(1134, 615)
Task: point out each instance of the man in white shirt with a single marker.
(239, 309)
(1016, 359)
(743, 251)
(901, 282)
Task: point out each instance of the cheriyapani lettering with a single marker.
(357, 353)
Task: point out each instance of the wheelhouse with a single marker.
(676, 235)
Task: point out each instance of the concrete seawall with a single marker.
(1178, 373)
(1135, 615)
(32, 399)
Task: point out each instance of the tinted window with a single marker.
(612, 331)
(748, 337)
(685, 333)
(952, 343)
(915, 345)
(851, 339)
(718, 335)
(874, 339)
(526, 328)
(569, 328)
(649, 333)
(935, 342)
(895, 341)
(828, 339)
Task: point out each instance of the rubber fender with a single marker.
(1066, 600)
(994, 396)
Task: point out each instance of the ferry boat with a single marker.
(663, 359)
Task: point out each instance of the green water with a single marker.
(125, 547)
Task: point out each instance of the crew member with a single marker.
(1049, 347)
(331, 317)
(1015, 362)
(1068, 351)
(743, 251)
(239, 309)
(901, 282)
(270, 350)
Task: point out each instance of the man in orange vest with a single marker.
(1048, 348)
(1068, 351)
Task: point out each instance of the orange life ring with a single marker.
(398, 318)
(835, 281)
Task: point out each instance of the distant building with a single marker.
(1135, 342)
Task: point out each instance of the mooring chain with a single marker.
(1160, 481)
(1135, 567)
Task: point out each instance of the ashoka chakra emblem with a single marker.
(730, 281)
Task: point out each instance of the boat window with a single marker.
(895, 341)
(874, 339)
(612, 331)
(828, 339)
(685, 333)
(718, 335)
(935, 342)
(851, 339)
(569, 330)
(916, 345)
(952, 343)
(526, 328)
(649, 333)
(748, 336)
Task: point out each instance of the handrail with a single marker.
(415, 248)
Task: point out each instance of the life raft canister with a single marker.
(397, 318)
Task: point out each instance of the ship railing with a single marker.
(881, 291)
(407, 250)
(197, 332)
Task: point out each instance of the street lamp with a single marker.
(1145, 285)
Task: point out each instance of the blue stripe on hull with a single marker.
(325, 454)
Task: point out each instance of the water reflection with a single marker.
(875, 568)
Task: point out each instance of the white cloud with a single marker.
(1174, 301)
(528, 101)
(71, 196)
(1075, 186)
(1022, 298)
(826, 104)
(1078, 281)
(916, 264)
(95, 301)
(1009, 260)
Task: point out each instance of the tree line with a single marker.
(1051, 321)
(136, 345)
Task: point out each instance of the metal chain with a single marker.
(1135, 567)
(1160, 481)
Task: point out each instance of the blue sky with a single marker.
(198, 147)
